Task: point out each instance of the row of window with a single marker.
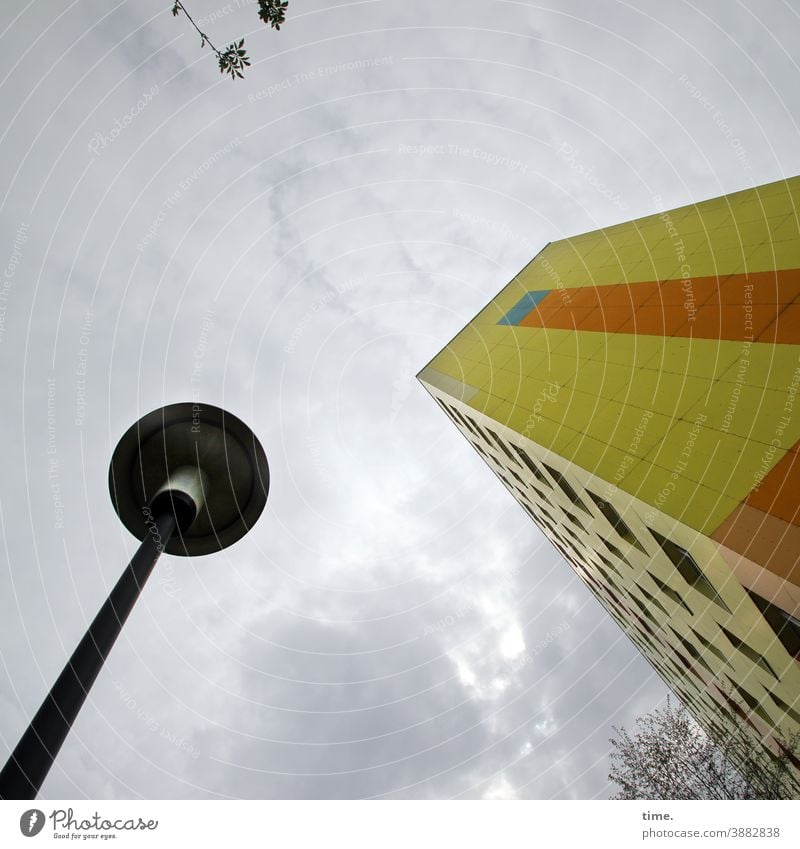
(572, 547)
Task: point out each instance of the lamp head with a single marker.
(196, 452)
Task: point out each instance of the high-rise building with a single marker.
(637, 390)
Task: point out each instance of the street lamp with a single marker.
(187, 479)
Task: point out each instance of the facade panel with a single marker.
(635, 388)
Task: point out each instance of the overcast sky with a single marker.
(294, 247)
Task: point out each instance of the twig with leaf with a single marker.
(234, 59)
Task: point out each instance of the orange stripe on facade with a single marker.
(759, 307)
(777, 494)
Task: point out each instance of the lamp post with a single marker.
(187, 479)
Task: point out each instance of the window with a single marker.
(567, 488)
(614, 550)
(749, 653)
(615, 520)
(477, 428)
(452, 412)
(688, 568)
(692, 650)
(785, 626)
(710, 646)
(735, 708)
(787, 709)
(468, 423)
(606, 577)
(523, 455)
(501, 445)
(653, 599)
(643, 608)
(668, 591)
(575, 521)
(790, 755)
(752, 702)
(608, 563)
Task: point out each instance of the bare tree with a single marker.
(234, 59)
(670, 756)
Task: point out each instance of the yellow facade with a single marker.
(636, 389)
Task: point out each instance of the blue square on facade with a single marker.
(523, 306)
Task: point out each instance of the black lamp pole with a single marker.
(26, 769)
(186, 479)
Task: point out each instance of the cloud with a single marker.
(394, 626)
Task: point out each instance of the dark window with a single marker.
(608, 563)
(749, 653)
(692, 650)
(688, 568)
(501, 445)
(787, 709)
(643, 608)
(476, 428)
(710, 646)
(790, 755)
(615, 520)
(653, 600)
(668, 591)
(523, 455)
(752, 702)
(614, 550)
(786, 627)
(566, 488)
(575, 521)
